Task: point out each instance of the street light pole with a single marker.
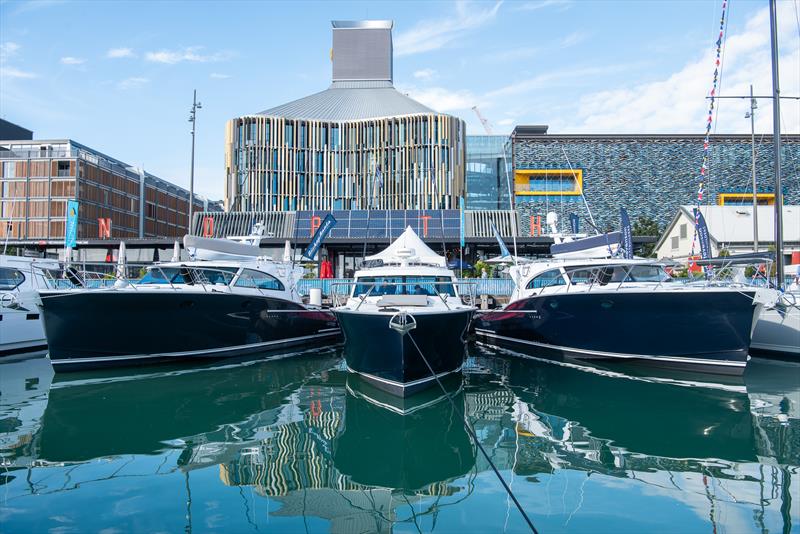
(193, 119)
(751, 115)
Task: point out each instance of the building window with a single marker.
(63, 168)
(745, 199)
(684, 231)
(9, 169)
(675, 243)
(151, 210)
(533, 182)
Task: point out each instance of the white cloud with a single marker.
(542, 4)
(115, 53)
(219, 76)
(505, 122)
(11, 72)
(430, 35)
(133, 82)
(441, 99)
(191, 54)
(512, 54)
(678, 102)
(8, 49)
(549, 79)
(424, 74)
(70, 60)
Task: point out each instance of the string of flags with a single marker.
(709, 121)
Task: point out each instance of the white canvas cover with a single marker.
(409, 241)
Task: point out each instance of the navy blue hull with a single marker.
(704, 330)
(389, 358)
(99, 329)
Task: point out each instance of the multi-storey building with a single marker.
(650, 175)
(115, 200)
(360, 144)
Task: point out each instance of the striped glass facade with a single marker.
(406, 162)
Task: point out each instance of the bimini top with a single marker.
(350, 101)
(409, 248)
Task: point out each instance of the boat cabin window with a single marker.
(404, 285)
(546, 279)
(214, 276)
(10, 278)
(259, 280)
(648, 273)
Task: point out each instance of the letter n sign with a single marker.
(208, 226)
(104, 227)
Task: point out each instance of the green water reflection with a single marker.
(298, 445)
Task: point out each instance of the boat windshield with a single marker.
(404, 285)
(163, 275)
(618, 273)
(190, 275)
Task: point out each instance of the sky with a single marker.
(119, 76)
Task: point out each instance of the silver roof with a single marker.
(348, 101)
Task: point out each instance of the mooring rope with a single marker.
(474, 437)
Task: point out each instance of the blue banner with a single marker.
(503, 248)
(71, 234)
(575, 223)
(627, 234)
(313, 247)
(702, 234)
(462, 229)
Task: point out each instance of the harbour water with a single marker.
(297, 445)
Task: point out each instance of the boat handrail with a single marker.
(363, 297)
(717, 274)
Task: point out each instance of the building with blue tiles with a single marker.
(650, 175)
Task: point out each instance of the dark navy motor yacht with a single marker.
(403, 303)
(618, 309)
(231, 303)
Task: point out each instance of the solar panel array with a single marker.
(381, 224)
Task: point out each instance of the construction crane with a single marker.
(486, 125)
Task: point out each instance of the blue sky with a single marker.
(118, 76)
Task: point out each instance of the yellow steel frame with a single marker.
(724, 197)
(522, 179)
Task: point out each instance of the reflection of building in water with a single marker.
(23, 398)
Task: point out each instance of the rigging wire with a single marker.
(474, 437)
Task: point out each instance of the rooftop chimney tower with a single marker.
(362, 50)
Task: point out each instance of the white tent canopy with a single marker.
(409, 247)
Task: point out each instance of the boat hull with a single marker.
(389, 359)
(88, 329)
(21, 331)
(706, 331)
(777, 332)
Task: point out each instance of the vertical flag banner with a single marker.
(627, 234)
(322, 232)
(463, 222)
(701, 230)
(503, 248)
(71, 234)
(574, 223)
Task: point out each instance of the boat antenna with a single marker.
(776, 139)
(580, 186)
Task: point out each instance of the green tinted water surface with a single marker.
(297, 445)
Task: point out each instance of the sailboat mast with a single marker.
(776, 137)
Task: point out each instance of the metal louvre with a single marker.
(479, 223)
